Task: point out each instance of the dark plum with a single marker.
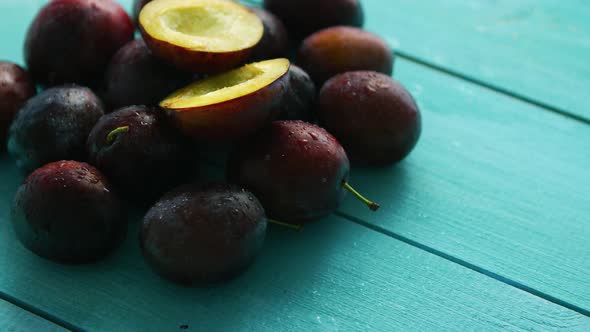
(140, 152)
(374, 117)
(274, 42)
(72, 41)
(16, 88)
(203, 234)
(136, 77)
(299, 100)
(53, 125)
(303, 17)
(67, 211)
(297, 170)
(340, 49)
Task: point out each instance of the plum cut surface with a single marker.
(227, 86)
(214, 26)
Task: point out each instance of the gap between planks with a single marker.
(465, 264)
(451, 258)
(38, 312)
(492, 87)
(409, 57)
(49, 317)
(473, 80)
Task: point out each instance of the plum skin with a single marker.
(336, 50)
(296, 170)
(274, 42)
(374, 117)
(299, 100)
(66, 211)
(303, 17)
(16, 87)
(53, 125)
(197, 235)
(234, 118)
(136, 77)
(72, 41)
(148, 159)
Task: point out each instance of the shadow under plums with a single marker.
(10, 179)
(291, 271)
(290, 266)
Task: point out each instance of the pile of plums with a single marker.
(118, 119)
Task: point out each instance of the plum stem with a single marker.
(111, 136)
(372, 205)
(284, 224)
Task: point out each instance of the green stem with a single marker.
(284, 224)
(113, 134)
(372, 205)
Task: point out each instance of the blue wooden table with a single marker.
(486, 226)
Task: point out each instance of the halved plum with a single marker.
(203, 36)
(232, 104)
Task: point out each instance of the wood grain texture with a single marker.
(538, 49)
(15, 319)
(334, 275)
(493, 182)
(535, 48)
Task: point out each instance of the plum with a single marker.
(53, 125)
(230, 105)
(67, 211)
(299, 100)
(297, 170)
(140, 152)
(16, 87)
(303, 17)
(202, 36)
(275, 41)
(136, 77)
(373, 116)
(203, 234)
(340, 49)
(72, 41)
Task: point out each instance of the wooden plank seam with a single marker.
(41, 313)
(465, 77)
(466, 264)
(492, 87)
(452, 259)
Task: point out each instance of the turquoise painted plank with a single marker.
(537, 49)
(56, 276)
(334, 275)
(15, 319)
(493, 182)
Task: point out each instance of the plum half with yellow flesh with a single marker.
(232, 104)
(203, 36)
